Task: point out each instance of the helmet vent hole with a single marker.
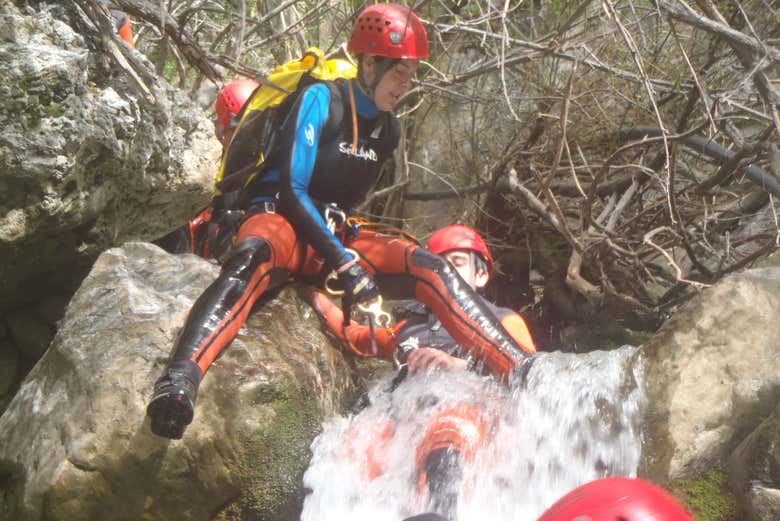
(379, 29)
(387, 22)
(377, 20)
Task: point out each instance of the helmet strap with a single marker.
(474, 265)
(382, 66)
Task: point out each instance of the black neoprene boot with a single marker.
(172, 407)
(426, 517)
(445, 474)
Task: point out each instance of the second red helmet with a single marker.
(391, 31)
(232, 98)
(460, 237)
(609, 499)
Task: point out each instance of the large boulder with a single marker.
(713, 374)
(755, 470)
(85, 161)
(76, 442)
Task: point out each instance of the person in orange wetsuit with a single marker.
(419, 343)
(469, 254)
(122, 24)
(209, 233)
(328, 153)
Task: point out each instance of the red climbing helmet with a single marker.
(232, 98)
(460, 237)
(391, 31)
(609, 499)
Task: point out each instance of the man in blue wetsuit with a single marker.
(331, 145)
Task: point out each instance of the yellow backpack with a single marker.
(254, 136)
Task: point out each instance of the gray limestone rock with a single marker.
(30, 332)
(76, 442)
(85, 162)
(9, 364)
(754, 468)
(713, 374)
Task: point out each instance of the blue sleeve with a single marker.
(303, 128)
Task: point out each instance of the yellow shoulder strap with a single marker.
(287, 76)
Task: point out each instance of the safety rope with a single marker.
(358, 222)
(353, 106)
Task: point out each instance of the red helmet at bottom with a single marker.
(612, 499)
(460, 237)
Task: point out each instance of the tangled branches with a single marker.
(639, 146)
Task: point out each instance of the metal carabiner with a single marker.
(379, 316)
(333, 276)
(334, 216)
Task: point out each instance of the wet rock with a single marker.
(770, 261)
(713, 374)
(755, 470)
(51, 308)
(85, 162)
(76, 442)
(9, 364)
(30, 332)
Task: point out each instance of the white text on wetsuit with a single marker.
(362, 152)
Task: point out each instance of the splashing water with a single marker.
(577, 419)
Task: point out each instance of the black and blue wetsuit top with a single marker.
(313, 164)
(424, 329)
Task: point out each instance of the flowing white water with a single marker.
(576, 420)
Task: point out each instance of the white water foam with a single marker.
(576, 420)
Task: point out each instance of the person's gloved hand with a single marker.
(358, 284)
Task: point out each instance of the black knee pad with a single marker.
(425, 259)
(445, 271)
(439, 265)
(247, 256)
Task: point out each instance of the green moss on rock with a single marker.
(276, 456)
(53, 110)
(707, 497)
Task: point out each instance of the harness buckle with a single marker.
(334, 216)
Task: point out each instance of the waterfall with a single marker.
(576, 419)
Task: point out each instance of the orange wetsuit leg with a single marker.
(404, 270)
(463, 428)
(267, 252)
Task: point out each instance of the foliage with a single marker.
(708, 497)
